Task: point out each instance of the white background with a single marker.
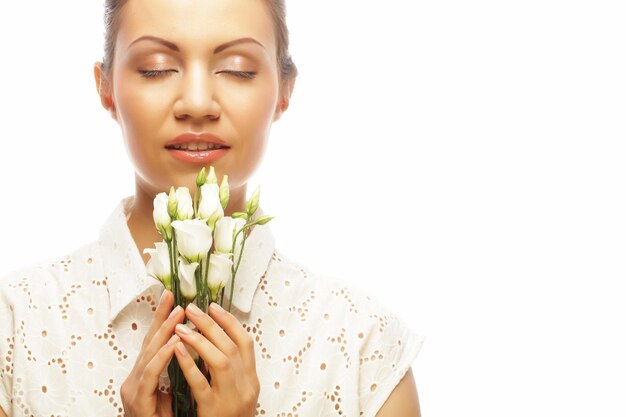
(463, 161)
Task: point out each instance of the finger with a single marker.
(237, 334)
(221, 367)
(212, 331)
(160, 315)
(163, 333)
(198, 383)
(149, 379)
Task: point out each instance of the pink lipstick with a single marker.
(203, 148)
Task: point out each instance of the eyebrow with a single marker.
(175, 47)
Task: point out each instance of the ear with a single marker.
(285, 96)
(105, 91)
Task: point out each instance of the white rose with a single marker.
(159, 264)
(225, 230)
(161, 218)
(210, 207)
(187, 278)
(184, 210)
(193, 238)
(219, 273)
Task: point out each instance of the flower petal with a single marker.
(193, 238)
(187, 277)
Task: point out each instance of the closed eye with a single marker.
(156, 73)
(242, 74)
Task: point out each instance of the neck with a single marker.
(141, 223)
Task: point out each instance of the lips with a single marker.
(192, 148)
(192, 142)
(196, 146)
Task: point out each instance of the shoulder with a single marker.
(343, 301)
(329, 338)
(43, 308)
(323, 304)
(26, 286)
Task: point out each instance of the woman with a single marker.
(179, 78)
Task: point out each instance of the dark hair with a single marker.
(286, 66)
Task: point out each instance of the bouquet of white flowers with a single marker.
(184, 263)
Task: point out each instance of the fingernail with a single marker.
(173, 339)
(183, 329)
(175, 311)
(181, 349)
(193, 309)
(216, 308)
(162, 297)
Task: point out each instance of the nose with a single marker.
(197, 98)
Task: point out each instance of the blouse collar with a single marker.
(127, 277)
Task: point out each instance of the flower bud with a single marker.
(239, 215)
(212, 220)
(224, 192)
(211, 178)
(210, 208)
(185, 204)
(201, 178)
(162, 220)
(219, 274)
(263, 220)
(172, 203)
(253, 203)
(187, 277)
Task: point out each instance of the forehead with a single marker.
(193, 24)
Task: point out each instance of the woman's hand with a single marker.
(228, 351)
(139, 392)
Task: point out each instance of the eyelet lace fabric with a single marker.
(71, 330)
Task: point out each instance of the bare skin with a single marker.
(198, 91)
(403, 400)
(225, 347)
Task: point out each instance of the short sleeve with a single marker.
(6, 351)
(387, 352)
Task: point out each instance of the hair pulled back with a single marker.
(287, 68)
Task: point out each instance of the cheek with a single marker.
(252, 110)
(139, 107)
(141, 112)
(140, 117)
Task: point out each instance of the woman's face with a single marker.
(212, 71)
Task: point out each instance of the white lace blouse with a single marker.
(71, 329)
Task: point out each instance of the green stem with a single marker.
(175, 371)
(174, 265)
(233, 268)
(169, 253)
(198, 279)
(206, 275)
